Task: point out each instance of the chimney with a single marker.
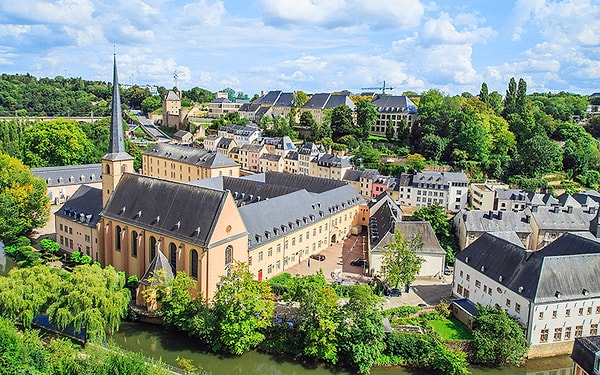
(534, 208)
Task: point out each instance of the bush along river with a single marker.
(160, 343)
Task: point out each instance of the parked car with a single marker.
(360, 263)
(447, 271)
(393, 292)
(318, 257)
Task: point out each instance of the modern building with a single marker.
(553, 292)
(318, 103)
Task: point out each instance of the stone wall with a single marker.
(550, 350)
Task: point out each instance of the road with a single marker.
(150, 128)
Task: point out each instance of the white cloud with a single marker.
(69, 12)
(343, 13)
(203, 13)
(442, 30)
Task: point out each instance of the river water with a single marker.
(159, 343)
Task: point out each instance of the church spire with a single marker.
(117, 144)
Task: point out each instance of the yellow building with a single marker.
(182, 163)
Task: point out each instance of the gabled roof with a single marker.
(70, 174)
(271, 157)
(284, 100)
(269, 98)
(392, 103)
(159, 263)
(317, 101)
(352, 175)
(333, 160)
(495, 221)
(84, 206)
(560, 219)
(566, 269)
(191, 155)
(182, 211)
(442, 178)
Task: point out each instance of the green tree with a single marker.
(401, 261)
(521, 98)
(24, 202)
(436, 216)
(341, 121)
(199, 95)
(243, 308)
(151, 104)
(361, 337)
(92, 298)
(538, 155)
(390, 133)
(176, 300)
(510, 99)
(56, 142)
(299, 98)
(498, 338)
(366, 117)
(483, 94)
(416, 162)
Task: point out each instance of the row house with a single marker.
(225, 145)
(273, 103)
(182, 163)
(219, 107)
(536, 227)
(392, 110)
(553, 292)
(290, 162)
(249, 156)
(271, 162)
(306, 153)
(448, 189)
(330, 166)
(242, 134)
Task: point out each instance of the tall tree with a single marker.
(521, 98)
(366, 117)
(243, 308)
(537, 155)
(341, 121)
(510, 100)
(498, 338)
(361, 338)
(24, 201)
(401, 261)
(483, 94)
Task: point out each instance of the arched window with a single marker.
(152, 248)
(107, 168)
(194, 264)
(228, 256)
(118, 238)
(173, 256)
(134, 244)
(123, 168)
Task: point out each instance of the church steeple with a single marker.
(117, 160)
(117, 144)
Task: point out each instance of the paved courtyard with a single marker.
(428, 291)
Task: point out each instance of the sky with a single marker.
(309, 45)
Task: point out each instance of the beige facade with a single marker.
(73, 235)
(274, 257)
(271, 162)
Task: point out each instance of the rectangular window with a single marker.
(307, 232)
(87, 238)
(507, 302)
(270, 268)
(544, 335)
(578, 331)
(459, 289)
(62, 240)
(468, 277)
(70, 230)
(278, 265)
(293, 241)
(541, 315)
(61, 227)
(477, 284)
(260, 256)
(568, 313)
(593, 329)
(580, 311)
(270, 252)
(567, 333)
(589, 310)
(554, 313)
(278, 248)
(249, 260)
(558, 334)
(517, 308)
(71, 244)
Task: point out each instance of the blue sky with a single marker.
(309, 45)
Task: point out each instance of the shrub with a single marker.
(76, 257)
(86, 259)
(49, 246)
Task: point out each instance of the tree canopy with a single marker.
(400, 260)
(24, 202)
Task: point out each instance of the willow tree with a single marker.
(400, 259)
(92, 298)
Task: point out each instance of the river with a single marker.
(157, 342)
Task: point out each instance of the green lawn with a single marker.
(451, 329)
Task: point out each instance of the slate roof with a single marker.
(181, 133)
(352, 175)
(570, 266)
(466, 305)
(547, 218)
(317, 101)
(84, 206)
(269, 98)
(172, 95)
(191, 155)
(336, 100)
(481, 221)
(584, 352)
(285, 143)
(159, 263)
(333, 160)
(293, 155)
(442, 178)
(311, 184)
(393, 103)
(116, 145)
(293, 211)
(70, 174)
(271, 157)
(284, 100)
(225, 142)
(406, 179)
(244, 191)
(182, 211)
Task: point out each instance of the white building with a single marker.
(448, 189)
(554, 292)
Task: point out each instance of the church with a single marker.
(270, 221)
